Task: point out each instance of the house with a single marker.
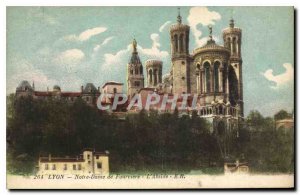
(89, 162)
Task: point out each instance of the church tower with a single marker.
(135, 77)
(154, 72)
(180, 56)
(232, 37)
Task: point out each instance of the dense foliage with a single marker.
(141, 142)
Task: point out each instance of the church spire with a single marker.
(134, 45)
(134, 59)
(231, 24)
(179, 20)
(210, 32)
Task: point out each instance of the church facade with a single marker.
(213, 72)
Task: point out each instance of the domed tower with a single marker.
(211, 62)
(154, 72)
(180, 56)
(232, 37)
(25, 89)
(135, 77)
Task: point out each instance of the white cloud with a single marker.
(86, 35)
(162, 27)
(203, 41)
(69, 57)
(107, 40)
(280, 79)
(154, 51)
(201, 15)
(112, 61)
(23, 70)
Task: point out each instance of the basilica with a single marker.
(213, 72)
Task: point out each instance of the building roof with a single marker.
(154, 62)
(73, 159)
(67, 159)
(42, 93)
(134, 59)
(56, 87)
(70, 94)
(111, 83)
(90, 88)
(26, 85)
(211, 46)
(63, 94)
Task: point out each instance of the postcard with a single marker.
(150, 97)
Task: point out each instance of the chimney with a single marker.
(81, 88)
(49, 158)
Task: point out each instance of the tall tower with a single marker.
(154, 72)
(232, 37)
(180, 56)
(135, 77)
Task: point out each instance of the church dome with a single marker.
(211, 46)
(56, 88)
(154, 62)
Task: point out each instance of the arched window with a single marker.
(234, 45)
(150, 75)
(160, 75)
(224, 76)
(181, 42)
(155, 76)
(176, 42)
(141, 69)
(136, 70)
(207, 76)
(115, 90)
(198, 66)
(233, 85)
(220, 110)
(131, 71)
(228, 42)
(216, 75)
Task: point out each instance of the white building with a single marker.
(89, 162)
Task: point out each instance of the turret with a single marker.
(154, 72)
(179, 34)
(135, 76)
(232, 37)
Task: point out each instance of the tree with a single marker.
(282, 114)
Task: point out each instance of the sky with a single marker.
(71, 46)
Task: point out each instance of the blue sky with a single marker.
(71, 46)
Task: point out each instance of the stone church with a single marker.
(213, 72)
